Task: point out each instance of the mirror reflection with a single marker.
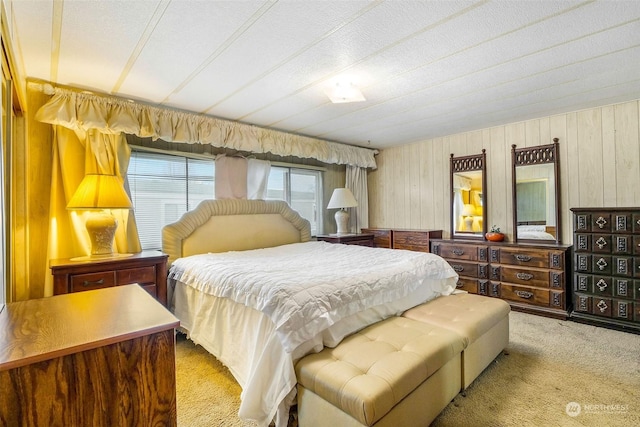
(468, 203)
(535, 204)
(536, 215)
(469, 196)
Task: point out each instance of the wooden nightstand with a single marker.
(364, 239)
(97, 358)
(147, 268)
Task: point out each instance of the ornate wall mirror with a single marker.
(469, 196)
(536, 193)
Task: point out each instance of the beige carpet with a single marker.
(549, 364)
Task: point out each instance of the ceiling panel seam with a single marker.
(142, 42)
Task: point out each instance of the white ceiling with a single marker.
(427, 68)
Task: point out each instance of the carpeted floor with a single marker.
(549, 365)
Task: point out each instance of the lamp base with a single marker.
(101, 227)
(342, 218)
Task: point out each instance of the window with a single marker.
(163, 187)
(302, 189)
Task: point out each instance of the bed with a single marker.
(250, 286)
(537, 232)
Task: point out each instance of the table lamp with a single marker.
(468, 211)
(341, 199)
(95, 193)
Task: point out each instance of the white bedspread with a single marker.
(305, 289)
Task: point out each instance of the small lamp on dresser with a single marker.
(341, 199)
(96, 193)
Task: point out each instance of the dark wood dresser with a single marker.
(607, 267)
(147, 268)
(413, 240)
(98, 358)
(363, 239)
(533, 278)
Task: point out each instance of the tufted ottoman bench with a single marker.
(393, 373)
(483, 323)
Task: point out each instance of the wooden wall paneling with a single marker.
(372, 184)
(573, 169)
(627, 155)
(499, 180)
(443, 186)
(609, 155)
(599, 166)
(558, 129)
(590, 157)
(39, 149)
(532, 134)
(415, 208)
(399, 174)
(428, 216)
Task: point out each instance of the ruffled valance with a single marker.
(79, 110)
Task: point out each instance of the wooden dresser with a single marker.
(531, 277)
(413, 240)
(607, 266)
(147, 268)
(363, 239)
(97, 358)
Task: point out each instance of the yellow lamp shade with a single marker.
(100, 192)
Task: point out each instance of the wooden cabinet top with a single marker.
(523, 245)
(41, 329)
(108, 262)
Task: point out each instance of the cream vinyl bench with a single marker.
(482, 322)
(397, 372)
(403, 370)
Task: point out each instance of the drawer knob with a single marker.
(601, 242)
(458, 252)
(457, 268)
(524, 258)
(524, 276)
(601, 222)
(459, 284)
(93, 283)
(602, 285)
(602, 306)
(524, 294)
(601, 264)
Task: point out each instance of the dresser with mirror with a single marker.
(532, 271)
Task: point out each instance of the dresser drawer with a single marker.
(540, 258)
(410, 240)
(88, 281)
(469, 269)
(381, 237)
(141, 275)
(469, 285)
(529, 276)
(461, 252)
(525, 294)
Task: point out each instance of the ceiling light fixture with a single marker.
(342, 92)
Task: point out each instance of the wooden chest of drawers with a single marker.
(413, 240)
(364, 239)
(148, 269)
(607, 266)
(532, 278)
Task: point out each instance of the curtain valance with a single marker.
(78, 110)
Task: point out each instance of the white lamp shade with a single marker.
(342, 198)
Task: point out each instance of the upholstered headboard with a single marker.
(234, 225)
